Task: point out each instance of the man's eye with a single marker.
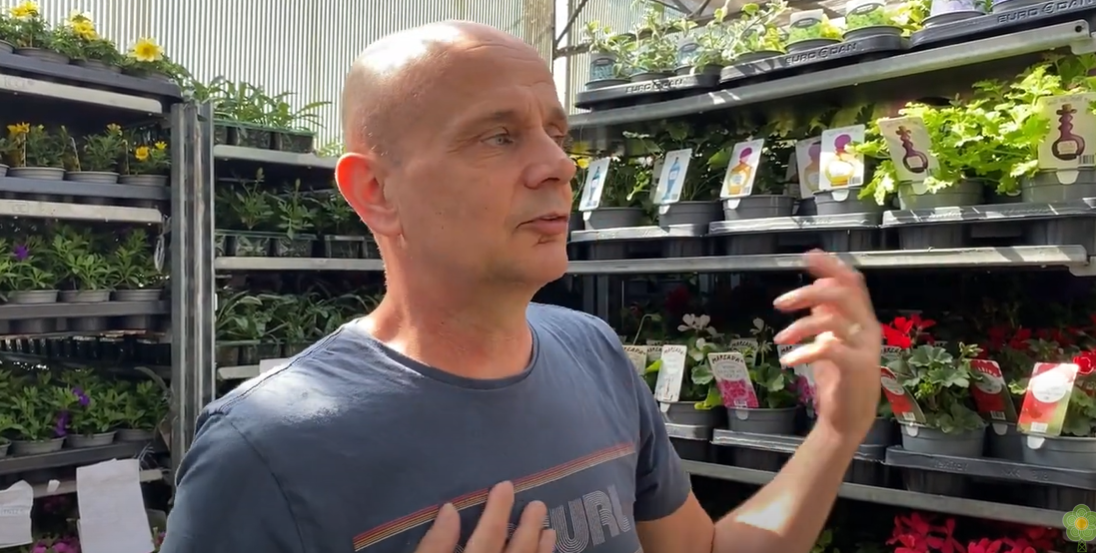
(502, 139)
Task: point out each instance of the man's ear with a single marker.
(359, 182)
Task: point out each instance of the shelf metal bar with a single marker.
(975, 258)
(296, 264)
(27, 311)
(913, 63)
(83, 189)
(897, 498)
(58, 91)
(222, 151)
(80, 212)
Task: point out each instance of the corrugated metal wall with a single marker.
(304, 46)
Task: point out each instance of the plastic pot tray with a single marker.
(1025, 17)
(691, 442)
(843, 53)
(590, 99)
(838, 233)
(946, 227)
(651, 232)
(759, 450)
(989, 213)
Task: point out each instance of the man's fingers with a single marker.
(490, 533)
(443, 535)
(827, 292)
(547, 541)
(822, 320)
(527, 538)
(827, 347)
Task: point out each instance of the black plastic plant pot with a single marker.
(251, 136)
(251, 352)
(759, 460)
(343, 247)
(1061, 498)
(299, 246)
(868, 473)
(226, 354)
(694, 450)
(936, 483)
(684, 247)
(850, 240)
(293, 348)
(248, 244)
(608, 250)
(296, 142)
(1054, 232)
(750, 244)
(685, 413)
(111, 349)
(933, 236)
(221, 132)
(268, 350)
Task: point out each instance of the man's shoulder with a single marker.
(570, 323)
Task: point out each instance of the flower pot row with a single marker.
(271, 244)
(19, 448)
(249, 135)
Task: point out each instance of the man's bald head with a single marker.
(398, 74)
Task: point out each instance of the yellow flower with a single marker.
(161, 146)
(114, 129)
(25, 10)
(141, 153)
(582, 162)
(84, 30)
(147, 50)
(21, 128)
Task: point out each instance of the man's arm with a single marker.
(226, 498)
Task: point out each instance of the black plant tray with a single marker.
(784, 444)
(656, 91)
(843, 53)
(691, 442)
(990, 213)
(1028, 17)
(12, 64)
(640, 242)
(996, 469)
(1036, 224)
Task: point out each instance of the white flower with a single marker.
(759, 324)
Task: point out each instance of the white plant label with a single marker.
(671, 179)
(1053, 386)
(841, 168)
(594, 187)
(638, 356)
(733, 379)
(672, 373)
(747, 347)
(1068, 145)
(742, 170)
(910, 147)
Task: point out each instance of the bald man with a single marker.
(459, 416)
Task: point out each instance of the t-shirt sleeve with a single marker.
(662, 485)
(226, 498)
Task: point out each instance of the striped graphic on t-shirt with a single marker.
(427, 515)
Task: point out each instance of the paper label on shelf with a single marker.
(112, 509)
(654, 350)
(733, 379)
(594, 187)
(1069, 142)
(990, 392)
(267, 365)
(890, 353)
(672, 373)
(16, 503)
(903, 404)
(1047, 397)
(910, 147)
(638, 356)
(738, 181)
(747, 347)
(671, 179)
(841, 168)
(808, 161)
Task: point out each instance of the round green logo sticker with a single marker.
(1080, 526)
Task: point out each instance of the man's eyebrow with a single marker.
(497, 116)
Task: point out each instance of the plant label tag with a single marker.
(1047, 398)
(910, 147)
(808, 161)
(805, 25)
(901, 400)
(891, 353)
(671, 180)
(594, 187)
(1068, 144)
(841, 168)
(733, 379)
(804, 386)
(990, 392)
(638, 356)
(672, 373)
(747, 347)
(742, 170)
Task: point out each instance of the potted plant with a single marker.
(699, 203)
(609, 53)
(144, 407)
(295, 215)
(38, 153)
(79, 40)
(339, 226)
(38, 406)
(34, 37)
(8, 34)
(298, 318)
(98, 157)
(940, 384)
(243, 322)
(701, 51)
(291, 124)
(254, 210)
(755, 35)
(626, 188)
(147, 165)
(699, 399)
(655, 54)
(94, 419)
(135, 276)
(81, 265)
(146, 59)
(768, 197)
(774, 387)
(31, 274)
(239, 108)
(868, 18)
(809, 29)
(948, 11)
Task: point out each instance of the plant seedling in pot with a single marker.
(254, 209)
(103, 152)
(940, 384)
(655, 53)
(295, 216)
(703, 49)
(82, 266)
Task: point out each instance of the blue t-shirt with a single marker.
(354, 447)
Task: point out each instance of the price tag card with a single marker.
(901, 400)
(739, 180)
(1068, 144)
(671, 179)
(910, 148)
(1047, 398)
(991, 392)
(594, 187)
(672, 374)
(808, 161)
(733, 379)
(890, 353)
(747, 347)
(638, 356)
(841, 168)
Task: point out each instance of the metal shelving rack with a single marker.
(50, 92)
(926, 67)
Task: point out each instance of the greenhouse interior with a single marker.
(171, 229)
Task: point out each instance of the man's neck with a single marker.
(468, 334)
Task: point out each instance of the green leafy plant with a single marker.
(132, 265)
(711, 39)
(35, 146)
(37, 406)
(243, 316)
(295, 213)
(602, 40)
(756, 29)
(869, 15)
(655, 49)
(333, 215)
(280, 114)
(102, 152)
(710, 146)
(774, 386)
(28, 28)
(700, 340)
(78, 39)
(143, 406)
(79, 261)
(253, 206)
(820, 28)
(32, 266)
(940, 383)
(100, 408)
(149, 160)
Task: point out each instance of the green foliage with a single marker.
(79, 259)
(869, 15)
(133, 266)
(940, 384)
(295, 212)
(102, 152)
(248, 103)
(36, 408)
(756, 30)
